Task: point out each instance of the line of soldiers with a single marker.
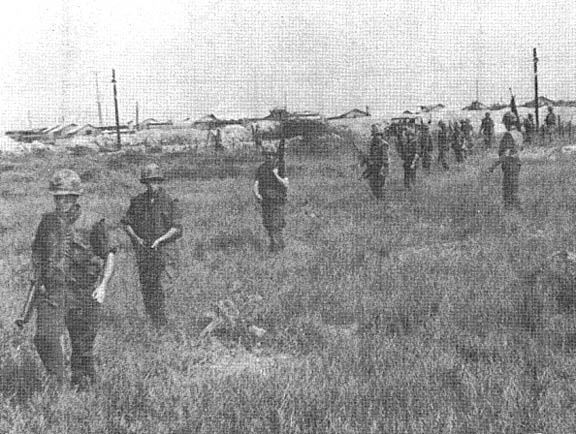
(73, 252)
(413, 146)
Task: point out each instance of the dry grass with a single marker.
(407, 316)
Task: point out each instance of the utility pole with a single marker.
(98, 104)
(116, 110)
(29, 120)
(477, 96)
(137, 112)
(536, 89)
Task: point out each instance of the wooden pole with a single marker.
(119, 143)
(137, 113)
(535, 59)
(98, 101)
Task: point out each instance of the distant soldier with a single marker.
(257, 133)
(377, 163)
(73, 261)
(509, 159)
(218, 140)
(529, 129)
(487, 130)
(443, 147)
(550, 123)
(426, 147)
(153, 222)
(467, 129)
(270, 190)
(410, 156)
(457, 142)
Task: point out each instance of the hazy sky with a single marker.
(183, 59)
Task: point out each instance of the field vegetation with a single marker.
(408, 316)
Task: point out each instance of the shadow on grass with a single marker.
(225, 242)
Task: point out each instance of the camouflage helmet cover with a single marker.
(151, 171)
(269, 149)
(509, 118)
(65, 182)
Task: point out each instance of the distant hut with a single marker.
(475, 105)
(542, 102)
(352, 114)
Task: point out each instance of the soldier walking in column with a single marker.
(487, 130)
(426, 147)
(443, 148)
(377, 164)
(410, 156)
(550, 123)
(529, 129)
(73, 261)
(509, 159)
(153, 222)
(457, 142)
(270, 190)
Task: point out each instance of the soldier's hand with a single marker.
(99, 294)
(155, 244)
(258, 197)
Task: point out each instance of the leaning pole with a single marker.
(535, 58)
(116, 110)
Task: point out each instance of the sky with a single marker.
(182, 59)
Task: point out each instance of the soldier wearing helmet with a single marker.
(443, 145)
(377, 163)
(153, 222)
(426, 147)
(487, 130)
(457, 142)
(509, 159)
(550, 123)
(270, 190)
(410, 156)
(529, 129)
(73, 261)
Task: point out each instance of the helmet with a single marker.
(151, 171)
(269, 148)
(375, 129)
(65, 182)
(487, 114)
(509, 118)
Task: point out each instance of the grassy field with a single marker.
(396, 317)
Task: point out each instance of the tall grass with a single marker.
(403, 316)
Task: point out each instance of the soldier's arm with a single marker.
(100, 292)
(256, 191)
(283, 181)
(175, 230)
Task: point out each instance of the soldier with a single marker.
(509, 158)
(487, 130)
(529, 129)
(377, 163)
(426, 147)
(457, 143)
(270, 190)
(73, 261)
(153, 222)
(410, 156)
(550, 123)
(443, 145)
(467, 129)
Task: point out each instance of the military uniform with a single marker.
(274, 195)
(426, 148)
(443, 148)
(69, 252)
(378, 165)
(508, 152)
(151, 215)
(458, 143)
(410, 155)
(487, 130)
(529, 129)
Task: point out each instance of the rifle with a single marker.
(514, 109)
(28, 308)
